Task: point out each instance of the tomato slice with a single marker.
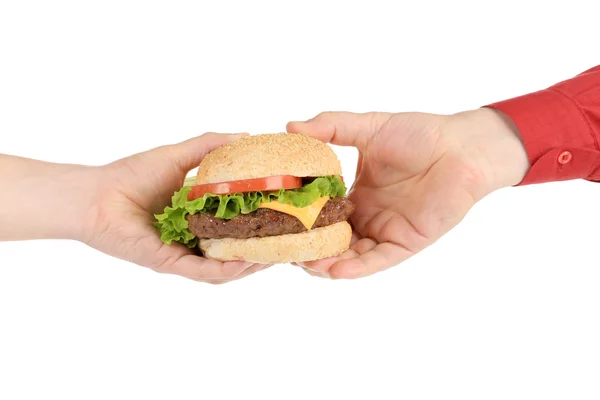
(247, 185)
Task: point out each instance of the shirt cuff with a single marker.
(557, 137)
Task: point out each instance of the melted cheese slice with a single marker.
(307, 215)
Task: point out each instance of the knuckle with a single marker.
(163, 265)
(208, 135)
(324, 115)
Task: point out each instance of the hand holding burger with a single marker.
(111, 207)
(417, 177)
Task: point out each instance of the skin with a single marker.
(110, 208)
(417, 176)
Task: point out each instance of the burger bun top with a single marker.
(266, 155)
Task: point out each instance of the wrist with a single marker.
(494, 141)
(44, 200)
(76, 193)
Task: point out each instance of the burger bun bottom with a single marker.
(311, 245)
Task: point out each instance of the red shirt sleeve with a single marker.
(560, 128)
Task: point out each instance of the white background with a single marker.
(505, 306)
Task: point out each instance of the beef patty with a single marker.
(265, 222)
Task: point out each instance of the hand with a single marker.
(130, 191)
(417, 176)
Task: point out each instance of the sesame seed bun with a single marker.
(266, 155)
(311, 245)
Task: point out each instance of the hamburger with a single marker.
(269, 198)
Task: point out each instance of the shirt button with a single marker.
(565, 157)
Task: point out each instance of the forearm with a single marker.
(41, 200)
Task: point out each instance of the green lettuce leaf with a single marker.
(173, 226)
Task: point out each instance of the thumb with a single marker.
(342, 128)
(187, 155)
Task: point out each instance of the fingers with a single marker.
(359, 164)
(177, 259)
(200, 269)
(364, 258)
(379, 258)
(313, 273)
(247, 272)
(187, 155)
(342, 128)
(321, 267)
